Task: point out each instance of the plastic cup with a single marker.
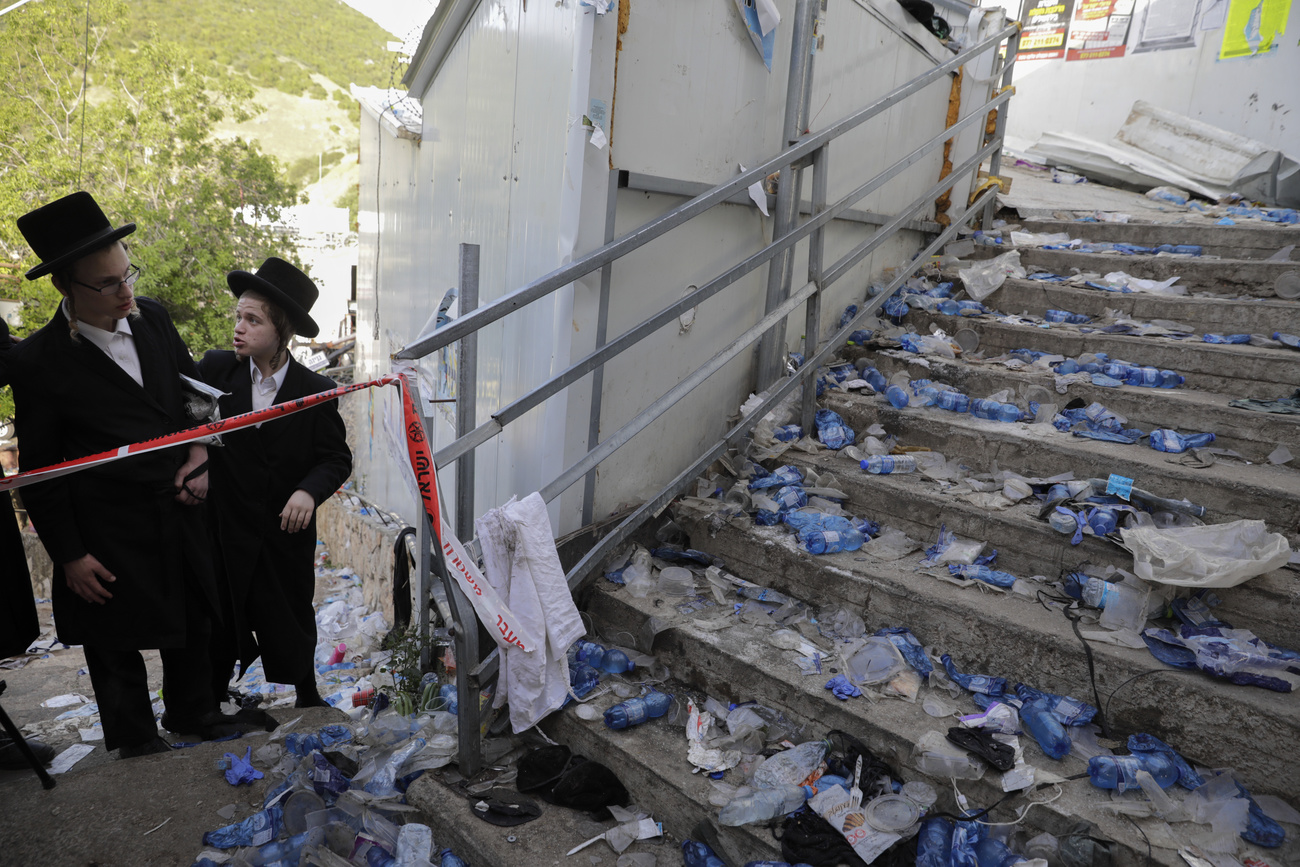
(968, 339)
(1287, 285)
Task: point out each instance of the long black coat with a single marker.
(254, 475)
(18, 623)
(72, 400)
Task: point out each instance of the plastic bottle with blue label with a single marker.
(1059, 316)
(696, 854)
(586, 651)
(953, 401)
(1145, 377)
(822, 541)
(616, 662)
(637, 710)
(994, 577)
(764, 804)
(1120, 772)
(1039, 721)
(897, 396)
(886, 464)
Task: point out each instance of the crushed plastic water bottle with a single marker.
(832, 432)
(1172, 442)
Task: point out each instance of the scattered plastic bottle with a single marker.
(583, 678)
(788, 433)
(1163, 440)
(953, 401)
(1067, 317)
(993, 410)
(822, 541)
(1180, 249)
(1097, 592)
(637, 710)
(981, 683)
(451, 698)
(695, 854)
(587, 651)
(897, 396)
(1171, 379)
(1039, 721)
(1120, 772)
(927, 395)
(875, 379)
(383, 783)
(882, 465)
(616, 661)
(764, 804)
(1145, 377)
(790, 497)
(289, 850)
(449, 858)
(995, 853)
(994, 577)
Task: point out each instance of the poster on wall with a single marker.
(1253, 27)
(1167, 24)
(1046, 24)
(1099, 29)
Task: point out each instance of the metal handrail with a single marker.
(474, 674)
(583, 266)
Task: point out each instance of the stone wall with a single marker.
(360, 536)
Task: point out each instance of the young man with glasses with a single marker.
(132, 557)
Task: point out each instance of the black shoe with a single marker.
(13, 759)
(309, 696)
(148, 748)
(210, 726)
(255, 716)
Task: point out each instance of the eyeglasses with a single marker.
(132, 275)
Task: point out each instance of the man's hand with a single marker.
(297, 512)
(194, 491)
(84, 576)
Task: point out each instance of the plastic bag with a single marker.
(1218, 555)
(984, 278)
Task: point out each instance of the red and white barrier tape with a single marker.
(488, 605)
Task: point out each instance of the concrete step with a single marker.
(1253, 434)
(1228, 492)
(1028, 546)
(650, 760)
(1213, 723)
(1199, 315)
(737, 664)
(1232, 277)
(1236, 370)
(1254, 241)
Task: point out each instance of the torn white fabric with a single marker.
(521, 562)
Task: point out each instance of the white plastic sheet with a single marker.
(1218, 555)
(982, 279)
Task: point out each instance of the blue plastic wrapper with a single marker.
(258, 829)
(327, 780)
(241, 770)
(1226, 338)
(788, 433)
(981, 683)
(786, 475)
(1067, 710)
(1234, 654)
(832, 431)
(908, 645)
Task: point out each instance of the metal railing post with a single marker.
(813, 312)
(602, 326)
(466, 391)
(771, 345)
(1000, 126)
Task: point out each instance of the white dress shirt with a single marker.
(118, 345)
(265, 388)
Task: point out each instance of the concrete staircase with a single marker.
(708, 651)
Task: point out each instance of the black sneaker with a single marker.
(209, 726)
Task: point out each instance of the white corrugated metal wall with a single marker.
(504, 164)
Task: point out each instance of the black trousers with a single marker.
(121, 682)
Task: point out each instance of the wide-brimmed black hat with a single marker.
(67, 229)
(282, 284)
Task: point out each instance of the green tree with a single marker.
(137, 135)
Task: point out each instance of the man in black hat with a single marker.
(132, 559)
(268, 480)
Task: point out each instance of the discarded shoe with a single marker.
(12, 758)
(977, 742)
(148, 748)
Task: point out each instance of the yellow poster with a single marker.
(1253, 27)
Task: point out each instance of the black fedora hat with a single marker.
(282, 284)
(67, 229)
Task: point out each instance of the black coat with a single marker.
(18, 624)
(256, 472)
(72, 400)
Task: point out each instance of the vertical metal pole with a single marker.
(598, 375)
(466, 392)
(813, 308)
(425, 541)
(1000, 127)
(771, 345)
